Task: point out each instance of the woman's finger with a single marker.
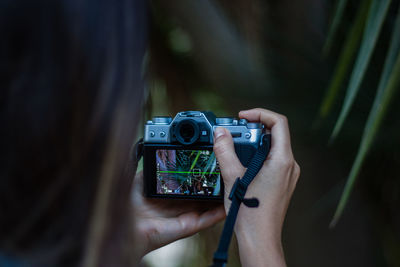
(211, 217)
(278, 125)
(224, 150)
(193, 222)
(165, 231)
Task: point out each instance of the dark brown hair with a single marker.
(70, 101)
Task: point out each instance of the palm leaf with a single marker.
(195, 160)
(389, 82)
(341, 4)
(376, 17)
(345, 59)
(210, 163)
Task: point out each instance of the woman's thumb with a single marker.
(224, 150)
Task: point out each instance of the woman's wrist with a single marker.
(259, 244)
(257, 252)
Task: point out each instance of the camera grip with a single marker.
(245, 153)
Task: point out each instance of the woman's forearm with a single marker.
(260, 247)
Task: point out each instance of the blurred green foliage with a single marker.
(373, 19)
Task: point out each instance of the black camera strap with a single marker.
(237, 197)
(138, 150)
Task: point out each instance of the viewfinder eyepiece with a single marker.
(187, 132)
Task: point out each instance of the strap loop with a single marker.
(251, 202)
(239, 190)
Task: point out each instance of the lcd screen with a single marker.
(187, 172)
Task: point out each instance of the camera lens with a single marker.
(187, 132)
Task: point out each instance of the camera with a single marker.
(178, 157)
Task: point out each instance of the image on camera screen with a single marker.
(187, 172)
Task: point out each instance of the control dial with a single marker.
(254, 125)
(224, 121)
(162, 120)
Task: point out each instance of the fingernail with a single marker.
(219, 131)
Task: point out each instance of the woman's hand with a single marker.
(258, 230)
(160, 221)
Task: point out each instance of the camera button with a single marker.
(162, 134)
(247, 135)
(203, 133)
(152, 134)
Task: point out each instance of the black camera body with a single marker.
(179, 161)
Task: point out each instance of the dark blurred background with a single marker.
(226, 56)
